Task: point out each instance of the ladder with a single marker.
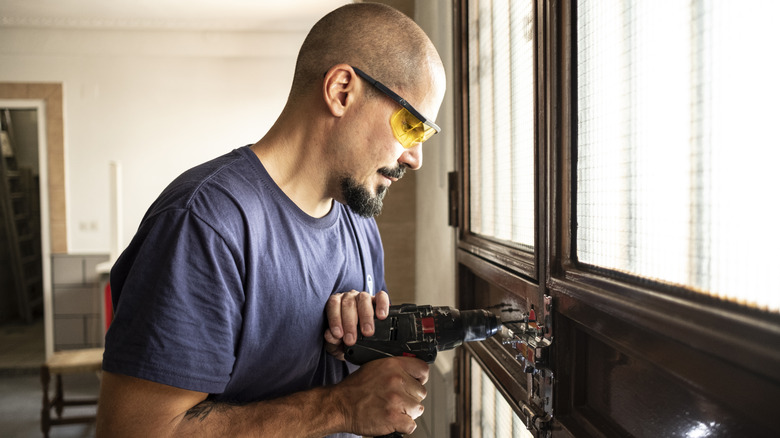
(20, 208)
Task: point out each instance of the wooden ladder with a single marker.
(21, 223)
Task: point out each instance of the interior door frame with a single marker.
(39, 105)
(47, 99)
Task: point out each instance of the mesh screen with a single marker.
(501, 96)
(675, 145)
(491, 414)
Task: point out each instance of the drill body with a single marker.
(421, 332)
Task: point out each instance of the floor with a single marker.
(21, 356)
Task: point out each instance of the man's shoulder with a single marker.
(215, 190)
(232, 166)
(220, 175)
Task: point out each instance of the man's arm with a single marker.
(382, 397)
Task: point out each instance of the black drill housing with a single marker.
(422, 331)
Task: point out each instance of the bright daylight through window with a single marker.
(677, 147)
(501, 120)
(491, 414)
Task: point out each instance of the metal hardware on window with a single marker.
(531, 338)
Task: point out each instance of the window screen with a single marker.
(491, 414)
(501, 120)
(676, 143)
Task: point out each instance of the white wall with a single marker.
(158, 102)
(435, 239)
(435, 249)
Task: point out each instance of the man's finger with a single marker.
(349, 317)
(365, 308)
(416, 412)
(329, 338)
(416, 368)
(382, 304)
(333, 312)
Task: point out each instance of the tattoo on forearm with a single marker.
(203, 409)
(200, 411)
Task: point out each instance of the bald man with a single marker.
(250, 273)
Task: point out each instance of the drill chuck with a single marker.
(458, 326)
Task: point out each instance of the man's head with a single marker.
(367, 63)
(376, 38)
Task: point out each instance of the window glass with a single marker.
(491, 414)
(501, 120)
(676, 149)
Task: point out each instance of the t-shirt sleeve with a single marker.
(178, 305)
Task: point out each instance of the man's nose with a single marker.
(412, 157)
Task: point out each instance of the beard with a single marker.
(360, 199)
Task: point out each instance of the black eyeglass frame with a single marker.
(401, 101)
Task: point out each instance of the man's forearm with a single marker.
(311, 413)
(381, 397)
(131, 407)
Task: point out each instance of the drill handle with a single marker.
(392, 435)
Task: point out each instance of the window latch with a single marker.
(531, 339)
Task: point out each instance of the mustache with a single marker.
(397, 172)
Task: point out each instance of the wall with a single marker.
(435, 244)
(158, 102)
(398, 221)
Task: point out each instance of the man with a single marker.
(249, 274)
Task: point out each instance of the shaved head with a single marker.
(376, 38)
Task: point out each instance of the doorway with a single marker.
(21, 249)
(47, 98)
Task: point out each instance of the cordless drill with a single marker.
(421, 332)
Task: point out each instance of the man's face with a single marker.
(378, 159)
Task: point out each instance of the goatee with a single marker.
(360, 200)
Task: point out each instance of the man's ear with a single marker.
(339, 88)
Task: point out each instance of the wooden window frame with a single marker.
(505, 253)
(666, 326)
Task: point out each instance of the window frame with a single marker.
(660, 306)
(665, 325)
(505, 253)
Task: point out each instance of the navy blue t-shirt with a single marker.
(223, 288)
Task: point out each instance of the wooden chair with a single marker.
(66, 362)
(85, 360)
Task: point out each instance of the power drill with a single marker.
(421, 332)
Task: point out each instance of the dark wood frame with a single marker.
(510, 255)
(716, 352)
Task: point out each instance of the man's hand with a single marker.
(345, 311)
(383, 396)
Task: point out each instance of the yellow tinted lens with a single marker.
(408, 129)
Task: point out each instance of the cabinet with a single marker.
(77, 301)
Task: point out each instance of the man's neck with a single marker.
(295, 164)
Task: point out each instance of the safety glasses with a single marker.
(409, 126)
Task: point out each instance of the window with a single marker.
(492, 416)
(674, 144)
(501, 99)
(616, 165)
